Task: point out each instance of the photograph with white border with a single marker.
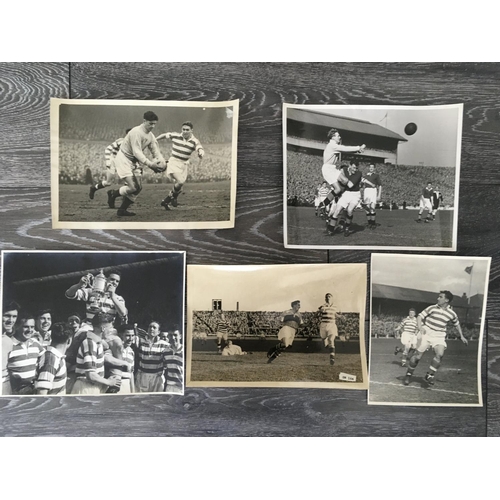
(298, 325)
(129, 164)
(371, 177)
(426, 329)
(93, 323)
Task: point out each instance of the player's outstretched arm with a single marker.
(83, 283)
(350, 149)
(462, 338)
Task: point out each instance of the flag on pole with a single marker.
(468, 270)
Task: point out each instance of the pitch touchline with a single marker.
(414, 387)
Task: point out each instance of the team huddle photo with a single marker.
(298, 325)
(371, 177)
(92, 323)
(137, 165)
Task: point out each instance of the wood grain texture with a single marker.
(25, 92)
(233, 412)
(493, 387)
(262, 88)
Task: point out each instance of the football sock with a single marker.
(435, 364)
(412, 365)
(332, 224)
(125, 204)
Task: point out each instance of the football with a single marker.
(410, 128)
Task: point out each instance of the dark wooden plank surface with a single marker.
(493, 387)
(257, 237)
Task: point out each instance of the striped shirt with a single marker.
(136, 142)
(112, 150)
(174, 368)
(97, 303)
(43, 338)
(323, 191)
(90, 357)
(6, 348)
(22, 362)
(128, 356)
(408, 325)
(436, 318)
(150, 354)
(292, 319)
(183, 148)
(328, 312)
(52, 373)
(222, 326)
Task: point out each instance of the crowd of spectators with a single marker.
(384, 326)
(92, 126)
(268, 323)
(401, 184)
(78, 158)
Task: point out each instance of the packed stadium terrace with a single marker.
(400, 183)
(267, 323)
(75, 157)
(96, 124)
(384, 326)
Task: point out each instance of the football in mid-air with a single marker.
(410, 128)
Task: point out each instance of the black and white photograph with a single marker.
(426, 330)
(371, 177)
(143, 164)
(94, 323)
(296, 325)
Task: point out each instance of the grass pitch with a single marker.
(396, 228)
(289, 367)
(198, 202)
(456, 380)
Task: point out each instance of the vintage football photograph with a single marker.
(143, 164)
(93, 323)
(371, 177)
(426, 329)
(296, 325)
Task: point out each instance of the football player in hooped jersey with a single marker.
(431, 323)
(409, 338)
(183, 145)
(291, 320)
(109, 154)
(328, 326)
(108, 302)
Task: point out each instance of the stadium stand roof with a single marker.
(342, 123)
(419, 296)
